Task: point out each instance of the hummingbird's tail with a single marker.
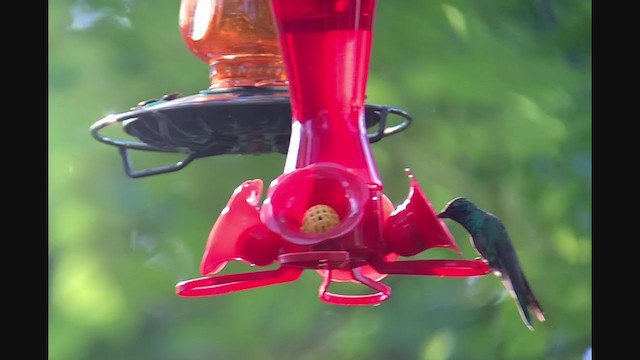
(532, 301)
(526, 300)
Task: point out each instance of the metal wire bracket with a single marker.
(241, 121)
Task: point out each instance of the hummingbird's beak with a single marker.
(443, 215)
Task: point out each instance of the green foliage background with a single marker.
(501, 94)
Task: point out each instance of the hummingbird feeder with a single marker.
(289, 76)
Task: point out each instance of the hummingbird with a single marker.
(490, 239)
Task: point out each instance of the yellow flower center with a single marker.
(318, 219)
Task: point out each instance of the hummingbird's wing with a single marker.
(493, 243)
(504, 254)
(513, 277)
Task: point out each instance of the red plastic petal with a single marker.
(238, 234)
(414, 226)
